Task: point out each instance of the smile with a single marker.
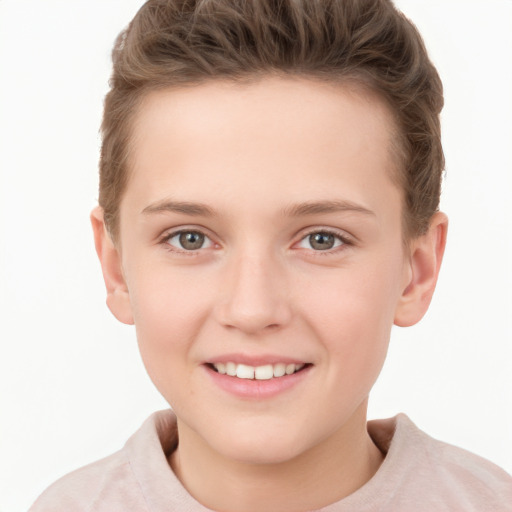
(265, 372)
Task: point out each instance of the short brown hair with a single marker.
(172, 43)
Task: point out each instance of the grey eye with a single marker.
(189, 240)
(321, 241)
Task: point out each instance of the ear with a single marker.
(118, 297)
(426, 255)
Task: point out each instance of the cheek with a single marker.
(352, 314)
(364, 295)
(164, 300)
(169, 310)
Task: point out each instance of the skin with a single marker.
(257, 287)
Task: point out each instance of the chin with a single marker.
(262, 453)
(258, 446)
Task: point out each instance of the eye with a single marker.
(188, 240)
(321, 241)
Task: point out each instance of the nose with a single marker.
(254, 296)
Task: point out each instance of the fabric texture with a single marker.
(418, 474)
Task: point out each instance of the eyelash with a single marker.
(345, 241)
(169, 236)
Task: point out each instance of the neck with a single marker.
(325, 474)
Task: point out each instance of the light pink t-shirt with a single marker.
(419, 474)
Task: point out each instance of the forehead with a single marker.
(295, 136)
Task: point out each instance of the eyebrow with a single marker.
(185, 207)
(294, 210)
(318, 207)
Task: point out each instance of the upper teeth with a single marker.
(243, 371)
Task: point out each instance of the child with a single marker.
(269, 191)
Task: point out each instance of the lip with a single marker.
(256, 389)
(249, 360)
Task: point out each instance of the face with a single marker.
(261, 234)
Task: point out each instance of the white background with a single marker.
(72, 386)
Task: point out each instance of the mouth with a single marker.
(264, 372)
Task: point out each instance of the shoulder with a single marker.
(115, 483)
(90, 488)
(441, 475)
(462, 473)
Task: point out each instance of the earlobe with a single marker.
(118, 297)
(426, 255)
